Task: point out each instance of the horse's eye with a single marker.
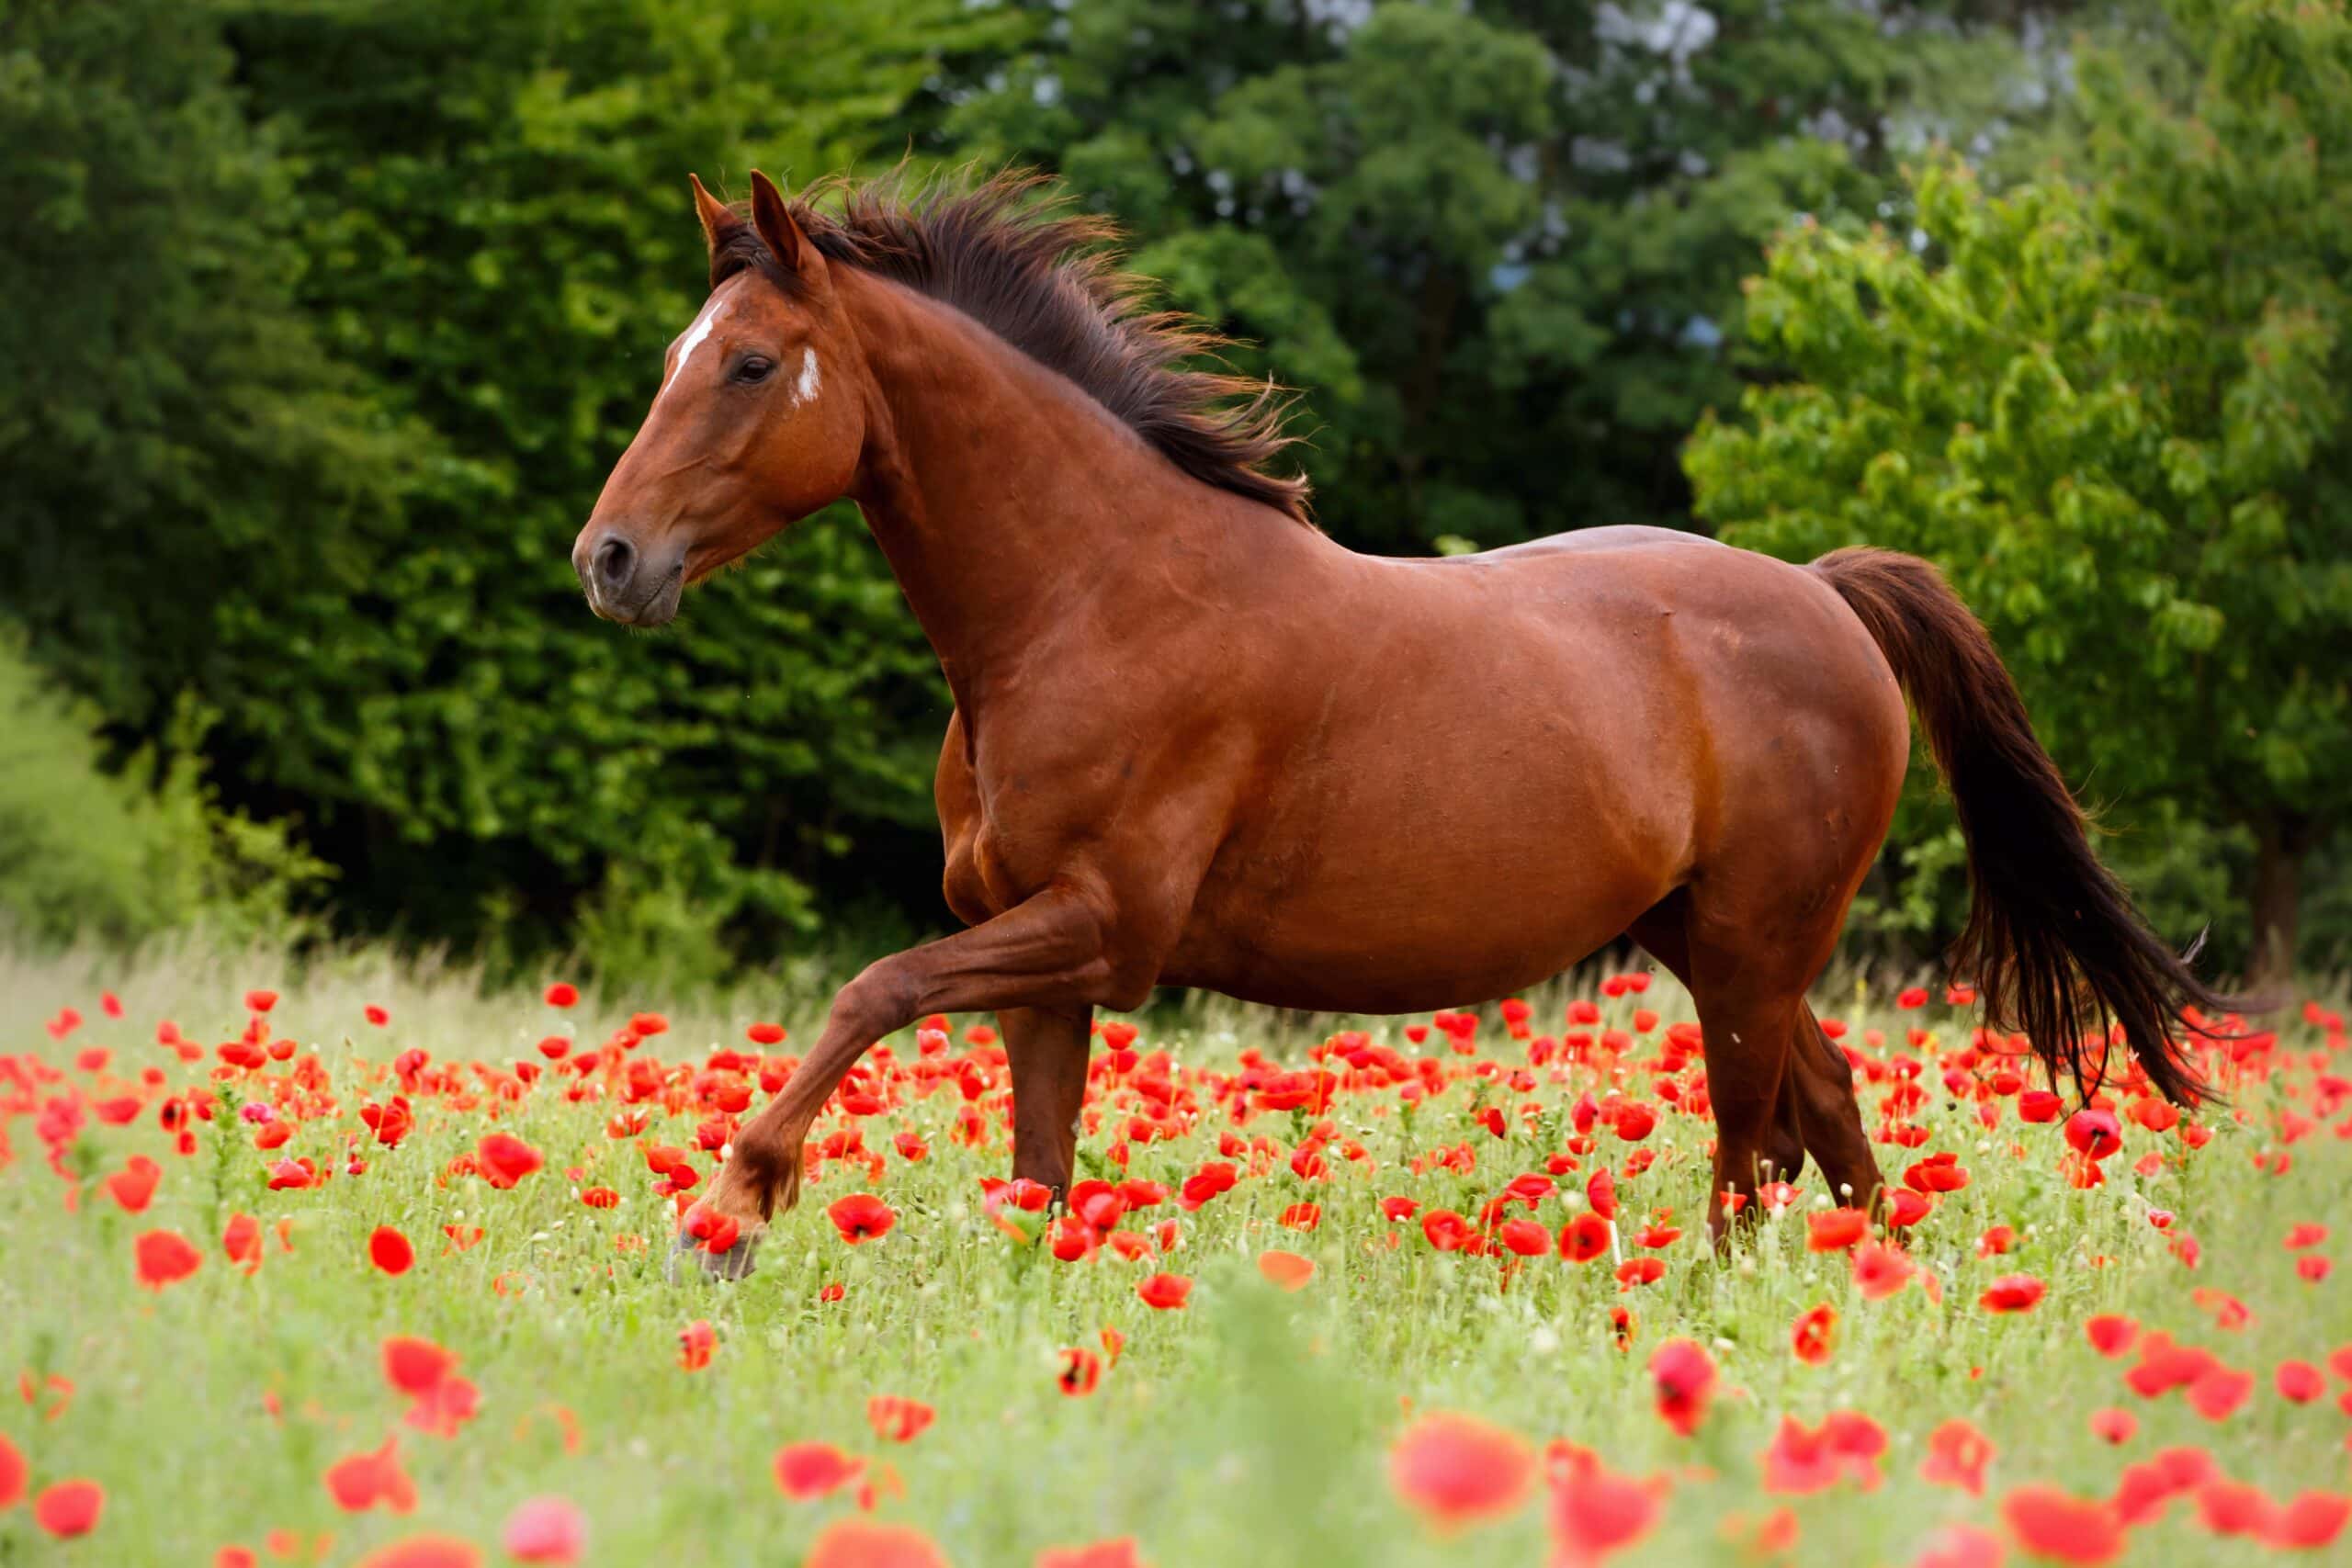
(754, 369)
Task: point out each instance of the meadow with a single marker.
(360, 1265)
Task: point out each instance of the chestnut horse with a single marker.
(1196, 742)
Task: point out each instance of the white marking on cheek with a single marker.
(805, 386)
(694, 334)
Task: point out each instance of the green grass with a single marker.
(1251, 1426)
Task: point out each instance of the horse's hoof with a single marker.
(732, 1264)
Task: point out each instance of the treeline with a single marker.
(325, 320)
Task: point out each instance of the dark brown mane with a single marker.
(1007, 251)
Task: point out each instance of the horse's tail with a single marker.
(2052, 940)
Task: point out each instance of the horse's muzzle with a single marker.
(623, 585)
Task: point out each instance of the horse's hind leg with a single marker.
(1660, 931)
(1048, 1050)
(1820, 1091)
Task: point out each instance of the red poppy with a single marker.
(390, 1250)
(2094, 1133)
(376, 1015)
(260, 1000)
(70, 1508)
(804, 1471)
(1525, 1237)
(765, 1034)
(545, 1529)
(1398, 1208)
(861, 1544)
(2312, 1520)
(505, 1159)
(1880, 1271)
(1594, 1513)
(2109, 1334)
(1165, 1292)
(861, 1217)
(1835, 1229)
(897, 1419)
(1458, 1471)
(1446, 1230)
(415, 1366)
(1957, 1455)
(1584, 1238)
(164, 1258)
(601, 1198)
(1963, 1545)
(1306, 1216)
(2114, 1427)
(2012, 1292)
(2300, 1381)
(1081, 1371)
(423, 1551)
(1815, 1334)
(14, 1474)
(562, 994)
(1685, 1379)
(696, 1342)
(2049, 1523)
(1639, 1271)
(2218, 1392)
(133, 1187)
(1285, 1270)
(365, 1480)
(1119, 1553)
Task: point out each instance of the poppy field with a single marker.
(366, 1268)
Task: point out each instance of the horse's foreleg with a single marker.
(1047, 1047)
(1049, 950)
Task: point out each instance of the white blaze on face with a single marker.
(805, 386)
(693, 340)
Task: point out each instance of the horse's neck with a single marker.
(1002, 496)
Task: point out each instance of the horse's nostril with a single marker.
(614, 560)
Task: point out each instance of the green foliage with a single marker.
(122, 855)
(2113, 413)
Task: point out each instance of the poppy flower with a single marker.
(562, 994)
(1398, 1208)
(2114, 1427)
(390, 1251)
(1639, 1271)
(1446, 1230)
(696, 1342)
(715, 1231)
(376, 1015)
(1815, 1334)
(1880, 1271)
(365, 1480)
(2218, 1392)
(1457, 1470)
(804, 1471)
(1525, 1237)
(14, 1473)
(1684, 1376)
(2012, 1292)
(2094, 1133)
(1584, 1238)
(2300, 1381)
(260, 1000)
(1594, 1513)
(1957, 1455)
(1287, 1271)
(861, 1217)
(765, 1034)
(897, 1419)
(1119, 1553)
(1963, 1545)
(2312, 1520)
(861, 1544)
(1835, 1230)
(2109, 1334)
(1306, 1216)
(423, 1551)
(70, 1508)
(1165, 1292)
(545, 1529)
(164, 1258)
(133, 1187)
(1802, 1460)
(505, 1159)
(2049, 1523)
(1081, 1371)
(415, 1366)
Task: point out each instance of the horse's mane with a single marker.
(1006, 251)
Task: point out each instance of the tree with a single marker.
(2114, 412)
(1497, 245)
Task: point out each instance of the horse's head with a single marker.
(759, 420)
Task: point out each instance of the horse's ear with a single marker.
(773, 219)
(718, 220)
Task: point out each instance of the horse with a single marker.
(1196, 742)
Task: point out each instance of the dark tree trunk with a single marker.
(2276, 899)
